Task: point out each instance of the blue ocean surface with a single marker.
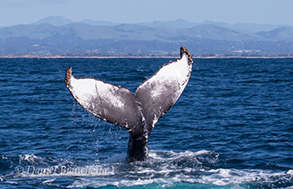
(231, 128)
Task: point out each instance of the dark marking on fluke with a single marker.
(67, 76)
(139, 112)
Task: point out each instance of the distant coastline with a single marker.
(53, 38)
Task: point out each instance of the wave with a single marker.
(162, 169)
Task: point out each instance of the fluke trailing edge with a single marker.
(138, 113)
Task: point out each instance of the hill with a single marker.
(59, 36)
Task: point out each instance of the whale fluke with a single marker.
(160, 92)
(109, 102)
(139, 112)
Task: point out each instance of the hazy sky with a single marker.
(133, 11)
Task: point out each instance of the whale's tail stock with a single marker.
(138, 113)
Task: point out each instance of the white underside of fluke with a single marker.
(84, 90)
(176, 73)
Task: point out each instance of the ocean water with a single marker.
(231, 128)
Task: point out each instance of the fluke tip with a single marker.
(184, 50)
(68, 76)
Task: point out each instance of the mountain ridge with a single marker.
(177, 24)
(50, 37)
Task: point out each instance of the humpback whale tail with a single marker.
(138, 113)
